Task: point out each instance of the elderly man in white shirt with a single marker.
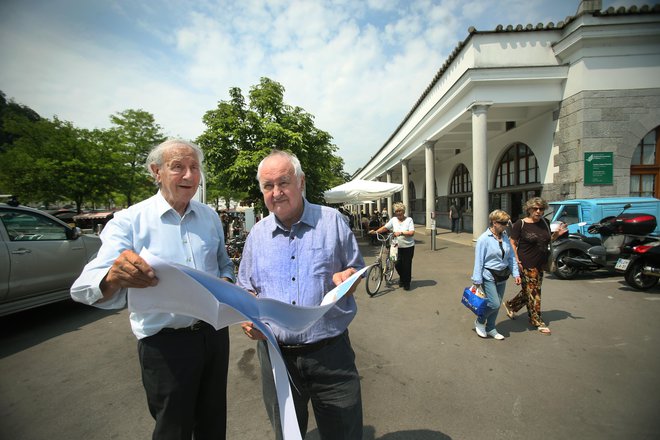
(184, 361)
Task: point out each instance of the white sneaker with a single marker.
(480, 329)
(494, 334)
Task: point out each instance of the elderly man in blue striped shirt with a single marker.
(296, 255)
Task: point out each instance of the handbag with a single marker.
(550, 264)
(500, 274)
(475, 299)
(394, 250)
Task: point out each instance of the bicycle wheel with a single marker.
(374, 279)
(389, 269)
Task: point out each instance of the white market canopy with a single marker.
(361, 191)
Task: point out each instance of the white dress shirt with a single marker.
(195, 240)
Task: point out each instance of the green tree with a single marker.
(11, 110)
(134, 133)
(51, 161)
(239, 135)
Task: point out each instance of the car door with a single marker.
(4, 264)
(42, 259)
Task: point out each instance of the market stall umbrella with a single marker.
(361, 191)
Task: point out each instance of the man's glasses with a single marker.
(538, 209)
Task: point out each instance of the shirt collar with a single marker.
(309, 217)
(164, 207)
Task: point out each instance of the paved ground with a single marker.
(70, 371)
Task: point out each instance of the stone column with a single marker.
(389, 199)
(405, 197)
(429, 163)
(479, 168)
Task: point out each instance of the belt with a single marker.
(301, 349)
(196, 326)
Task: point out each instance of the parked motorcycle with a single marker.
(575, 252)
(642, 268)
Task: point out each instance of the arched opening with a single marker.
(460, 189)
(516, 180)
(644, 166)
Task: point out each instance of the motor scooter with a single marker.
(575, 252)
(642, 268)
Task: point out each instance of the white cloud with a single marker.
(358, 67)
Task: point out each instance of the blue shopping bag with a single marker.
(475, 300)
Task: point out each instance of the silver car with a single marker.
(40, 258)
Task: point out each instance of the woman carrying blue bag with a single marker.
(494, 262)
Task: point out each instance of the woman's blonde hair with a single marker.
(498, 216)
(535, 202)
(399, 206)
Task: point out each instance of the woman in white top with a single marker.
(403, 229)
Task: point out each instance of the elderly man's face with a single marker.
(179, 176)
(282, 191)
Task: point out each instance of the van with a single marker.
(579, 214)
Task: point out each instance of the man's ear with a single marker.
(155, 171)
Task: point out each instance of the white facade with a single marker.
(589, 84)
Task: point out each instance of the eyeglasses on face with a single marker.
(502, 223)
(536, 208)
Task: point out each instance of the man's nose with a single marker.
(189, 173)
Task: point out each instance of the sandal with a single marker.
(509, 312)
(544, 330)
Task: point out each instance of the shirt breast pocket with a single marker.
(322, 262)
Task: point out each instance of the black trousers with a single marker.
(403, 264)
(184, 374)
(454, 224)
(329, 379)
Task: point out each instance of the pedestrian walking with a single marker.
(494, 263)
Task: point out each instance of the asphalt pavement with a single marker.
(71, 371)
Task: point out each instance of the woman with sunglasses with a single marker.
(494, 262)
(530, 238)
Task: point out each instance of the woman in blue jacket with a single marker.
(494, 262)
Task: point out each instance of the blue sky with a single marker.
(357, 66)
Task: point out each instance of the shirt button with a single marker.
(293, 279)
(293, 257)
(188, 259)
(293, 302)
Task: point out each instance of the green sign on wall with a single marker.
(598, 168)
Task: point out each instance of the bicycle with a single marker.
(384, 267)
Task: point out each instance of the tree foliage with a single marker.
(50, 161)
(134, 134)
(240, 134)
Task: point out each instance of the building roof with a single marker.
(518, 28)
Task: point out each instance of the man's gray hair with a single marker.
(297, 168)
(155, 156)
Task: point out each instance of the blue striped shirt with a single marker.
(296, 266)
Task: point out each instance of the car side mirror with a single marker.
(74, 233)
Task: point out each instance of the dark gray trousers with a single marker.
(328, 377)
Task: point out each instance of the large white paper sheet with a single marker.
(222, 304)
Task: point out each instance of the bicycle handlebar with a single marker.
(382, 237)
